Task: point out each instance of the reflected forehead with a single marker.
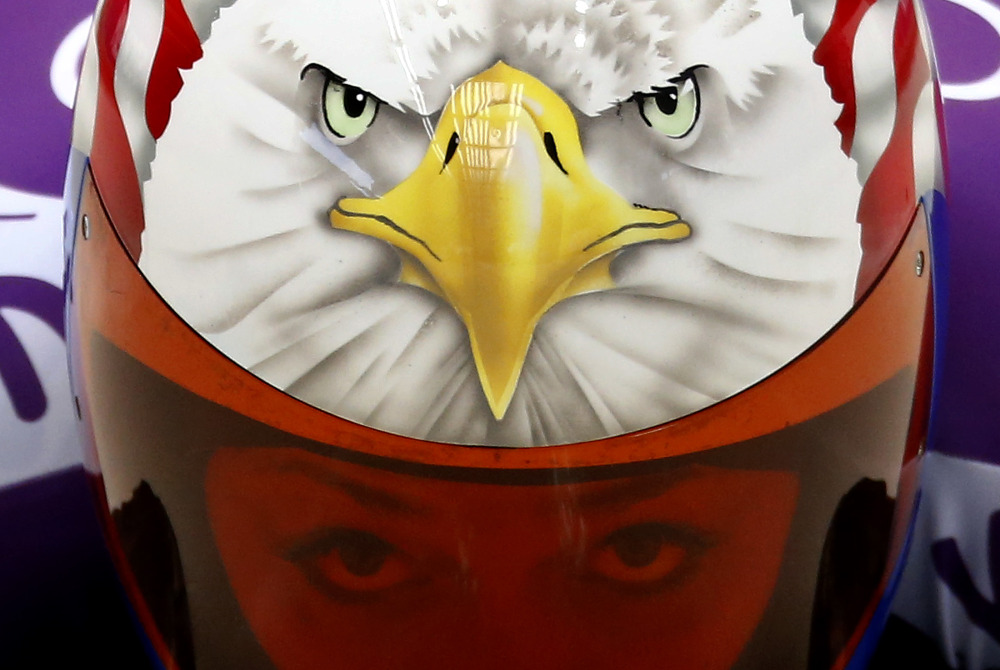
(409, 495)
(625, 492)
(382, 498)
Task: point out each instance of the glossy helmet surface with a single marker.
(505, 334)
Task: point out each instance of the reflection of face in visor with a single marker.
(694, 561)
(643, 570)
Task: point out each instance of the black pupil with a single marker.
(666, 100)
(363, 554)
(637, 547)
(355, 101)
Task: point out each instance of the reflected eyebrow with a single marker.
(363, 494)
(630, 491)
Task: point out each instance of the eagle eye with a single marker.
(348, 111)
(672, 110)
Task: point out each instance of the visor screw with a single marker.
(920, 264)
(85, 227)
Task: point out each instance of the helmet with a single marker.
(515, 334)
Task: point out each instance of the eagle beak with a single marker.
(503, 218)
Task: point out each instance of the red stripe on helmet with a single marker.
(178, 50)
(111, 157)
(889, 196)
(835, 54)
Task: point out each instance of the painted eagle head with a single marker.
(505, 222)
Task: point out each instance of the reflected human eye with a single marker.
(345, 562)
(647, 555)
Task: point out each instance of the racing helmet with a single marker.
(520, 334)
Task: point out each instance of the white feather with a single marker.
(239, 243)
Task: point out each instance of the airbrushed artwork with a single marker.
(555, 334)
(510, 223)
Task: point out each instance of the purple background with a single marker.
(35, 125)
(34, 146)
(60, 601)
(966, 414)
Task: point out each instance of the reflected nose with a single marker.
(522, 610)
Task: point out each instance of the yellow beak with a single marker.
(503, 218)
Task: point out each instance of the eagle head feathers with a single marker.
(508, 222)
